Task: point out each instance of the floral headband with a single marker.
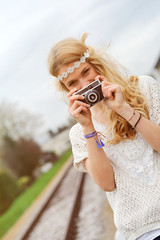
(76, 65)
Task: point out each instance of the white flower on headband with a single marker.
(76, 65)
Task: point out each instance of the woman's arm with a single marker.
(98, 165)
(147, 129)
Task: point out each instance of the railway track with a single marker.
(76, 209)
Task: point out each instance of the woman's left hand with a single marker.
(114, 98)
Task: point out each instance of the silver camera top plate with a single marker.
(88, 87)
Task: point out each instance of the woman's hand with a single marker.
(79, 110)
(113, 94)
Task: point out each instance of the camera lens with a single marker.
(92, 97)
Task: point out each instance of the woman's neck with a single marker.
(100, 112)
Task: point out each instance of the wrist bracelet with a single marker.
(93, 134)
(132, 116)
(137, 121)
(90, 135)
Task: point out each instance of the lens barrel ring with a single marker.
(92, 97)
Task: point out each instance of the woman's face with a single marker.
(81, 76)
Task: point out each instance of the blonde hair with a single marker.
(70, 50)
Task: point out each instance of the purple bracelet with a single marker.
(93, 134)
(90, 135)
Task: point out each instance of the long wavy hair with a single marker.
(70, 50)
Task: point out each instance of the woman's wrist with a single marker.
(88, 129)
(125, 111)
(128, 113)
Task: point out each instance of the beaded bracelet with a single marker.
(137, 121)
(93, 134)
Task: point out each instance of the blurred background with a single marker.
(34, 122)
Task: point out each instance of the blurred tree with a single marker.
(21, 157)
(61, 129)
(51, 133)
(18, 152)
(16, 122)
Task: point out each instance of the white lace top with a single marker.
(136, 199)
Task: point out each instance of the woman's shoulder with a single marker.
(146, 80)
(148, 84)
(76, 131)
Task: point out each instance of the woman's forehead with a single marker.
(76, 71)
(64, 68)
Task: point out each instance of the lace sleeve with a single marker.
(79, 148)
(151, 89)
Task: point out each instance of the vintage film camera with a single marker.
(92, 93)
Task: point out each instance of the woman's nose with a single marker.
(84, 83)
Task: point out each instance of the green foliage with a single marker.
(24, 183)
(25, 199)
(8, 191)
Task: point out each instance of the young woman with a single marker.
(117, 141)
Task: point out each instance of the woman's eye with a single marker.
(71, 83)
(86, 71)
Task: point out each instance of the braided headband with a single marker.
(76, 65)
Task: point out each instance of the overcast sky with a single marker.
(30, 27)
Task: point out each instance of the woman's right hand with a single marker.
(79, 110)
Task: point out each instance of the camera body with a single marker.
(92, 93)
